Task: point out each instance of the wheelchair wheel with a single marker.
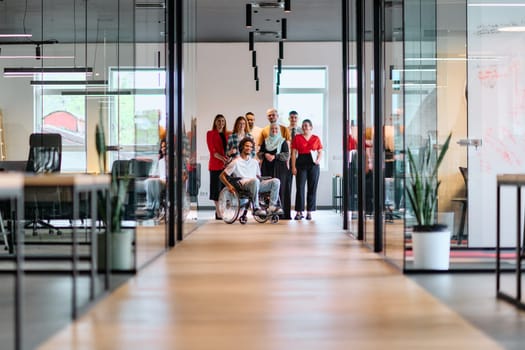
(243, 219)
(229, 206)
(274, 219)
(261, 219)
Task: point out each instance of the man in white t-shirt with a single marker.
(249, 172)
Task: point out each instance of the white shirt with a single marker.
(245, 169)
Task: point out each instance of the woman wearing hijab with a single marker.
(216, 140)
(274, 153)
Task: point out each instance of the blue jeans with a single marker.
(308, 174)
(255, 186)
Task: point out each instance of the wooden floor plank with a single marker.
(291, 285)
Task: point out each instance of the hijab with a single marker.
(274, 142)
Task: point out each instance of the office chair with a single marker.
(194, 183)
(464, 206)
(45, 156)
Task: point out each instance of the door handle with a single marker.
(470, 142)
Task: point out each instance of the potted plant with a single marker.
(120, 241)
(430, 239)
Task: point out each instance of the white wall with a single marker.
(218, 79)
(224, 84)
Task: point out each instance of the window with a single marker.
(304, 89)
(59, 112)
(135, 117)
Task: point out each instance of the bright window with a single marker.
(138, 109)
(57, 111)
(304, 89)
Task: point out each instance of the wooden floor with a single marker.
(291, 285)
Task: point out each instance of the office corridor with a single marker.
(292, 285)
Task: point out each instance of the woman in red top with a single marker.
(216, 140)
(306, 155)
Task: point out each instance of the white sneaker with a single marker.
(275, 210)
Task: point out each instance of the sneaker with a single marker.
(308, 216)
(273, 209)
(259, 212)
(298, 216)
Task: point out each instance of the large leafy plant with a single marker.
(423, 184)
(118, 188)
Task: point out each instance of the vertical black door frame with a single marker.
(344, 44)
(179, 164)
(174, 118)
(378, 126)
(359, 42)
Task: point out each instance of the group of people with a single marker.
(275, 151)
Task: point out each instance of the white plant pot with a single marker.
(121, 250)
(431, 250)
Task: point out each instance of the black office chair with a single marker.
(194, 183)
(45, 156)
(464, 207)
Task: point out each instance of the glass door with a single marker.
(496, 111)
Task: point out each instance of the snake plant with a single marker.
(423, 184)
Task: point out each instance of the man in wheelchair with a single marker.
(248, 172)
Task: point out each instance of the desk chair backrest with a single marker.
(45, 153)
(464, 174)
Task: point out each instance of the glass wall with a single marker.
(393, 135)
(420, 86)
(67, 67)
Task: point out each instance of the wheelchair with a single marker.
(236, 205)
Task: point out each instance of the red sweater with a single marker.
(214, 141)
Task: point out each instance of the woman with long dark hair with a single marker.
(216, 139)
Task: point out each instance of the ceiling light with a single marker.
(16, 35)
(248, 15)
(29, 71)
(69, 82)
(284, 34)
(512, 29)
(34, 57)
(496, 5)
(250, 39)
(149, 5)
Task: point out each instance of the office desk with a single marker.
(517, 181)
(78, 184)
(12, 188)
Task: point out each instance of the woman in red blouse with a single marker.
(216, 140)
(306, 155)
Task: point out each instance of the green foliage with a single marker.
(118, 188)
(423, 184)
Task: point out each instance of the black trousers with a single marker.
(306, 176)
